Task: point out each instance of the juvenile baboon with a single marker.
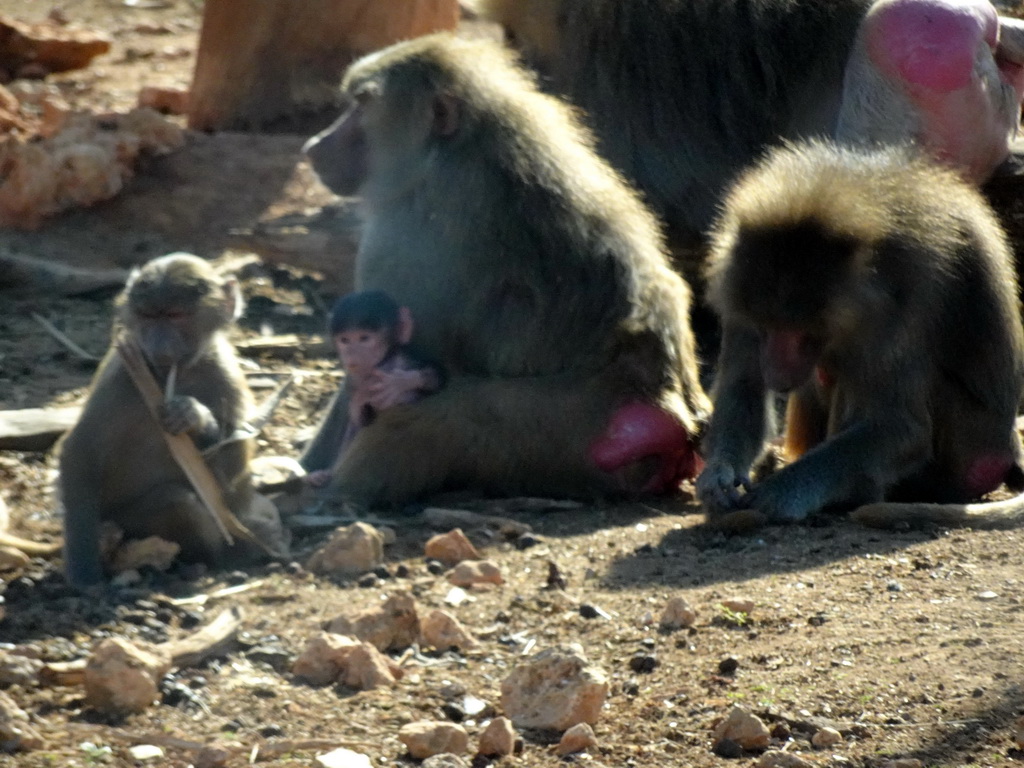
(878, 289)
(538, 281)
(115, 464)
(683, 94)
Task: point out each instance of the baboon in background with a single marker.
(684, 94)
(115, 464)
(537, 278)
(878, 289)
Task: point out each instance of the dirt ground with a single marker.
(910, 644)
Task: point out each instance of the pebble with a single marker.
(728, 749)
(352, 549)
(498, 738)
(426, 738)
(739, 605)
(472, 572)
(441, 630)
(145, 752)
(678, 614)
(450, 548)
(343, 758)
(121, 678)
(579, 738)
(743, 727)
(826, 738)
(728, 665)
(435, 567)
(526, 540)
(554, 689)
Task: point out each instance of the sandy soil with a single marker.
(910, 644)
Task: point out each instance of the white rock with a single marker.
(450, 548)
(394, 626)
(577, 739)
(121, 678)
(678, 614)
(352, 549)
(344, 758)
(441, 630)
(145, 752)
(498, 738)
(743, 727)
(425, 738)
(824, 738)
(554, 690)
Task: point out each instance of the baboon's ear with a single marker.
(447, 112)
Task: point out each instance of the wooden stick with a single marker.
(182, 448)
(215, 637)
(67, 343)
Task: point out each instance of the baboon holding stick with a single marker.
(538, 281)
(878, 290)
(115, 464)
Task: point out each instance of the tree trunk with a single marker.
(263, 61)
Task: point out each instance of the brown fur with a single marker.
(537, 278)
(115, 464)
(897, 279)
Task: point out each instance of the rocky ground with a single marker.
(909, 645)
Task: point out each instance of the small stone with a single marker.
(394, 626)
(402, 571)
(152, 552)
(743, 727)
(825, 738)
(450, 548)
(121, 678)
(498, 738)
(739, 605)
(441, 630)
(587, 611)
(435, 567)
(213, 756)
(352, 550)
(579, 738)
(554, 689)
(728, 665)
(145, 752)
(16, 735)
(425, 738)
(368, 580)
(775, 758)
(344, 758)
(472, 572)
(329, 658)
(728, 749)
(677, 615)
(168, 101)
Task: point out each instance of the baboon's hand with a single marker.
(186, 414)
(721, 488)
